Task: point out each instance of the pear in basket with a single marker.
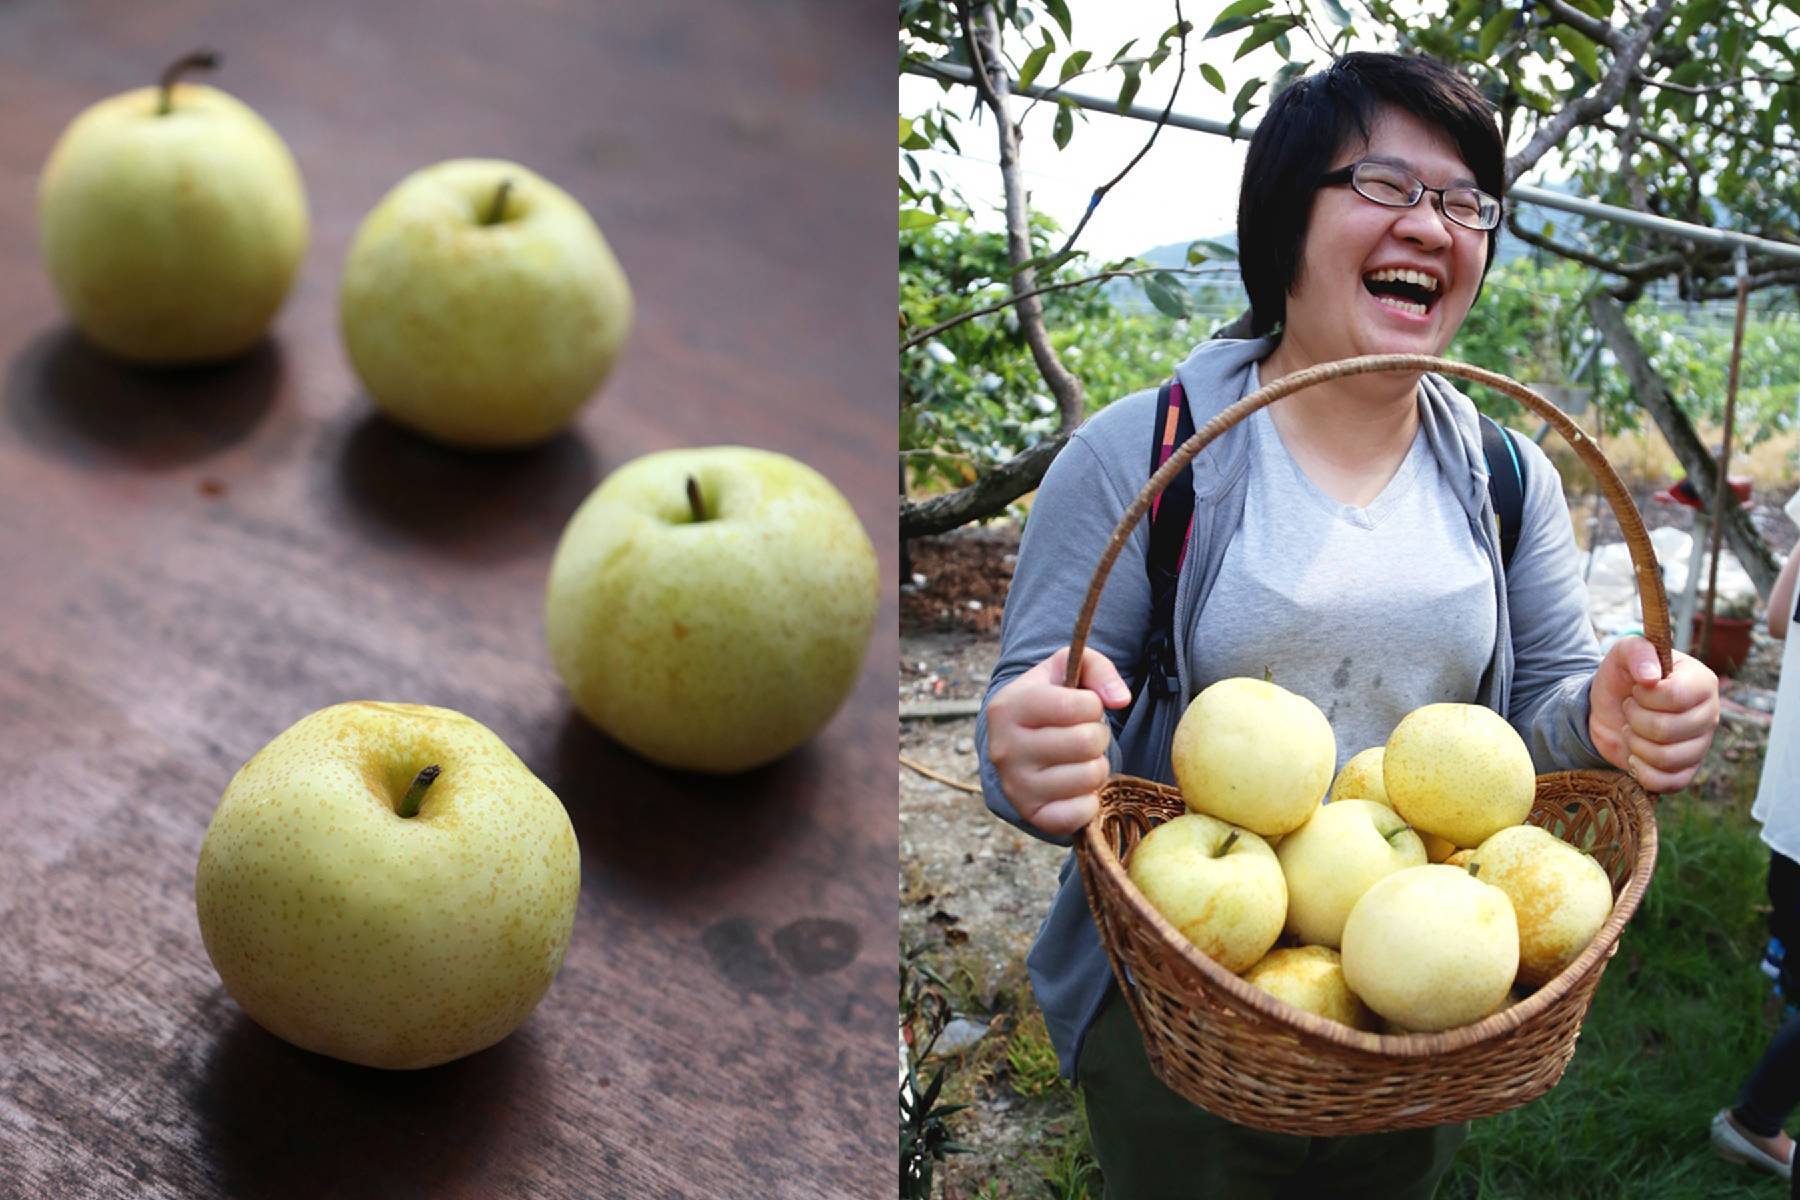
(1561, 896)
(1221, 887)
(1360, 778)
(1311, 978)
(1335, 857)
(1458, 771)
(1254, 754)
(1432, 947)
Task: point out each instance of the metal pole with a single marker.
(1722, 493)
(957, 73)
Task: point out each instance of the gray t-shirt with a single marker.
(1367, 612)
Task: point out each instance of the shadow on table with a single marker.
(488, 506)
(282, 1122)
(658, 834)
(66, 397)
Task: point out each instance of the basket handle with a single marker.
(1637, 540)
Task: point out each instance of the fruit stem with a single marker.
(198, 60)
(497, 211)
(415, 795)
(1474, 868)
(693, 495)
(1225, 846)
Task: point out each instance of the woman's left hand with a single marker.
(1657, 729)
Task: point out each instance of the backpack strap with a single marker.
(1506, 484)
(1171, 519)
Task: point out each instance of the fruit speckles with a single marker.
(392, 943)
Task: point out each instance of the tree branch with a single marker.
(1101, 191)
(1628, 51)
(1719, 290)
(1673, 149)
(988, 495)
(1703, 89)
(1593, 28)
(1642, 271)
(1071, 400)
(926, 335)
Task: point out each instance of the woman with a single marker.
(1342, 538)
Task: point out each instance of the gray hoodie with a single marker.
(1544, 650)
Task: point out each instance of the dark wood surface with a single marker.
(193, 560)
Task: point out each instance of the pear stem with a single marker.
(694, 503)
(1474, 868)
(198, 60)
(497, 210)
(1225, 846)
(415, 795)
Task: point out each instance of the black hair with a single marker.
(1309, 124)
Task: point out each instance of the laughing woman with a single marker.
(1344, 538)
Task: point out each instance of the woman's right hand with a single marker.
(1048, 742)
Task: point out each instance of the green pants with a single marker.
(1153, 1145)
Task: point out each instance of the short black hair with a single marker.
(1309, 124)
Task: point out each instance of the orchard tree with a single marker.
(1686, 110)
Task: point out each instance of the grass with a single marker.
(1679, 1019)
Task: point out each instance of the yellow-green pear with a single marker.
(1335, 857)
(1220, 886)
(387, 884)
(1561, 896)
(172, 221)
(1311, 978)
(1253, 754)
(1458, 771)
(1431, 948)
(480, 304)
(1360, 778)
(710, 607)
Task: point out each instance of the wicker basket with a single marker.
(1244, 1055)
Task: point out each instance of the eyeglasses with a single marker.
(1395, 187)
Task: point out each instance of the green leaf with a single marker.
(1166, 293)
(1211, 74)
(1340, 16)
(917, 218)
(905, 129)
(1264, 33)
(1491, 33)
(1286, 76)
(1580, 48)
(1065, 124)
(1129, 89)
(1123, 51)
(1059, 12)
(1220, 250)
(1235, 16)
(1034, 62)
(1241, 103)
(1072, 65)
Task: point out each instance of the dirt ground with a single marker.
(973, 890)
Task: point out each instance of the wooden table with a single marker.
(190, 561)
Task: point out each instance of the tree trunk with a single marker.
(1654, 394)
(986, 497)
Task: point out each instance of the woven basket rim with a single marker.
(1099, 852)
